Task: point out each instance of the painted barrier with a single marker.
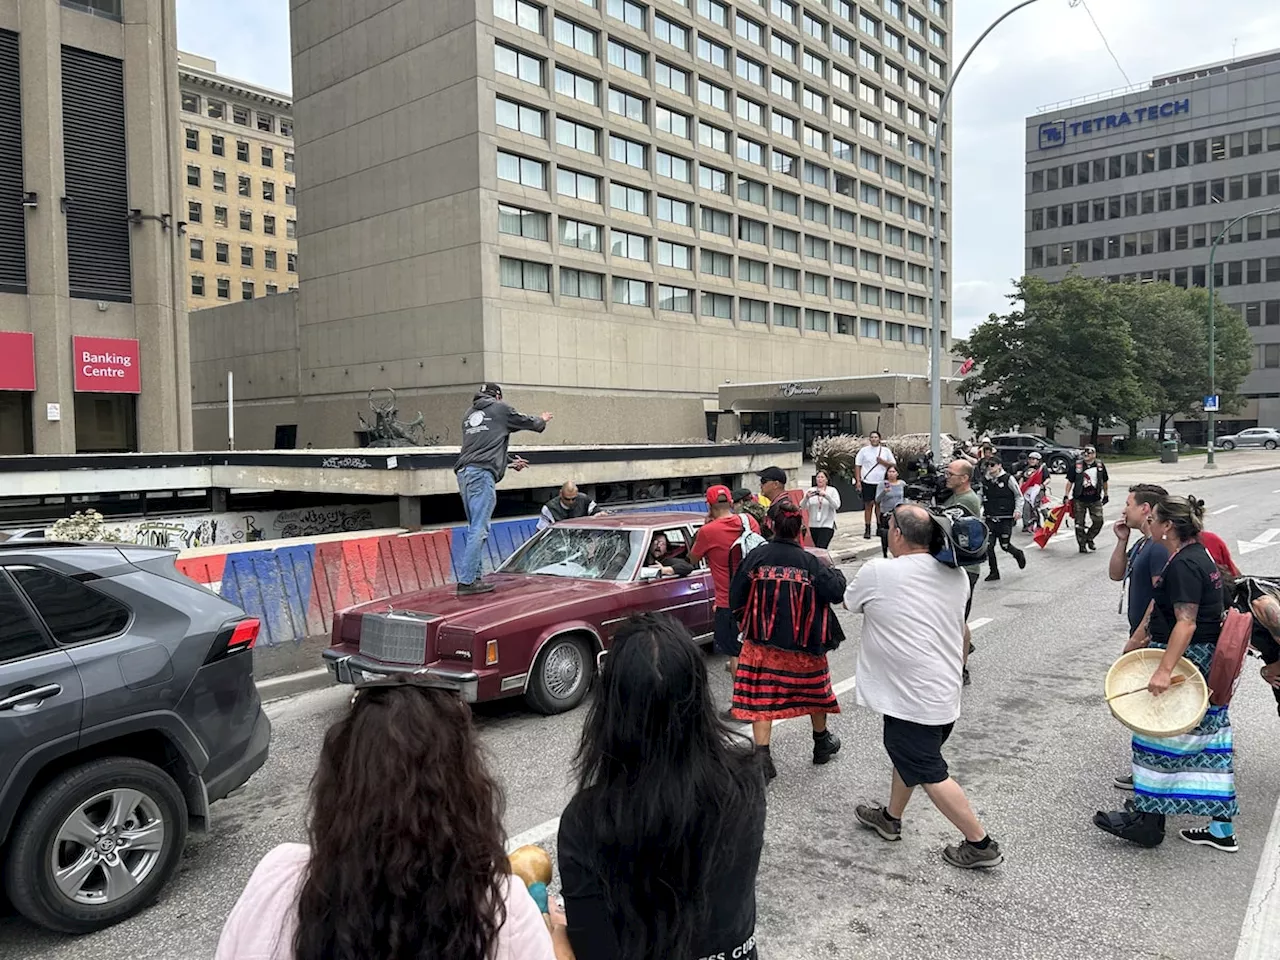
(294, 588)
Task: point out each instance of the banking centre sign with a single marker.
(1055, 133)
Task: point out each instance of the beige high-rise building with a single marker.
(241, 213)
(93, 325)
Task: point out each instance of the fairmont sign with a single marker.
(1055, 133)
(796, 390)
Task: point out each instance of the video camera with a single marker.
(927, 484)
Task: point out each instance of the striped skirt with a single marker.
(1192, 773)
(773, 684)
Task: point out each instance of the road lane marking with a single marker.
(1224, 509)
(1260, 933)
(1257, 543)
(548, 829)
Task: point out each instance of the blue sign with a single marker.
(1211, 404)
(1055, 133)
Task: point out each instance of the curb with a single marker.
(1213, 474)
(292, 684)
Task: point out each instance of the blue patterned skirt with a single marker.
(1192, 773)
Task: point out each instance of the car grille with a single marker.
(395, 637)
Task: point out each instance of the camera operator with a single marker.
(959, 479)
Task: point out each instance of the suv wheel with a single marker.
(1058, 464)
(96, 845)
(1270, 444)
(561, 676)
(1228, 445)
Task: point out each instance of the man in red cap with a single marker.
(716, 541)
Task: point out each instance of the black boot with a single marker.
(825, 746)
(1019, 558)
(766, 763)
(993, 563)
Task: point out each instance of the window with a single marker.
(630, 13)
(841, 44)
(714, 53)
(291, 229)
(628, 58)
(288, 161)
(520, 12)
(269, 225)
(784, 239)
(752, 271)
(218, 146)
(786, 316)
(219, 181)
(286, 130)
(629, 199)
(577, 136)
(518, 64)
(193, 139)
(240, 115)
(815, 284)
(268, 157)
(749, 70)
(519, 222)
(631, 293)
(749, 111)
(524, 275)
(73, 611)
(190, 102)
(894, 332)
(271, 289)
(631, 246)
(581, 284)
(748, 30)
(753, 311)
(714, 11)
(845, 290)
(817, 212)
(782, 85)
(216, 110)
(671, 77)
(869, 262)
(675, 299)
(843, 254)
(670, 32)
(751, 191)
(870, 195)
(716, 221)
(750, 152)
(224, 288)
(815, 64)
(815, 27)
(577, 86)
(269, 261)
(246, 256)
(576, 36)
(780, 46)
(675, 211)
(631, 152)
(197, 287)
(816, 320)
(246, 290)
(786, 202)
(845, 220)
(246, 220)
(579, 235)
(196, 249)
(815, 174)
(674, 168)
(627, 105)
(522, 170)
(752, 231)
(675, 255)
(219, 216)
(786, 278)
(815, 101)
(717, 305)
(713, 137)
(244, 186)
(783, 125)
(193, 176)
(266, 123)
(516, 116)
(716, 264)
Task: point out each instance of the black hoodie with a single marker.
(486, 430)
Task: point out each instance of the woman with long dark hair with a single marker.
(406, 859)
(1192, 774)
(659, 848)
(782, 598)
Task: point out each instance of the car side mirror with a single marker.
(650, 573)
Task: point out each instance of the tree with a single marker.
(1064, 356)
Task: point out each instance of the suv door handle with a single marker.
(30, 699)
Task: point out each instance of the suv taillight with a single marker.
(234, 637)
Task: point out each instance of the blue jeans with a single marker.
(479, 496)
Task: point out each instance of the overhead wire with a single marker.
(1103, 36)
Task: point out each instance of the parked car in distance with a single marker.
(557, 602)
(1014, 447)
(127, 707)
(1267, 437)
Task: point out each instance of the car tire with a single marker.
(1227, 445)
(561, 676)
(1058, 465)
(92, 790)
(1270, 444)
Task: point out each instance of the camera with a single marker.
(927, 484)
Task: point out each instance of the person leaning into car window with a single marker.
(660, 556)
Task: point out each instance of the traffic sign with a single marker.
(1211, 404)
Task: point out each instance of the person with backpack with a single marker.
(783, 595)
(724, 540)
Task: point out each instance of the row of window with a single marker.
(1147, 242)
(587, 285)
(1257, 314)
(238, 114)
(195, 214)
(244, 186)
(517, 221)
(222, 288)
(1232, 274)
(533, 174)
(218, 147)
(222, 254)
(1199, 194)
(1268, 356)
(1137, 162)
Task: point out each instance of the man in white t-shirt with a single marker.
(909, 669)
(868, 472)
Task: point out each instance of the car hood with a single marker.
(514, 596)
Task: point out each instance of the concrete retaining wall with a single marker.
(294, 586)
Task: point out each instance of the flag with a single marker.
(1056, 516)
(1035, 480)
(966, 367)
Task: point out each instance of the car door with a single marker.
(41, 698)
(688, 599)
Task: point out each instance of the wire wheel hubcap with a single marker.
(563, 671)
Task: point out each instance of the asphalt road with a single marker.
(1036, 750)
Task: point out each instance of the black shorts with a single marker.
(973, 582)
(869, 493)
(726, 637)
(916, 750)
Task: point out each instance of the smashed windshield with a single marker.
(580, 552)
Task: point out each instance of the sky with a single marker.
(1047, 53)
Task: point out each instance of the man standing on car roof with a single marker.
(483, 462)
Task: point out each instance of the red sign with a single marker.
(17, 361)
(105, 365)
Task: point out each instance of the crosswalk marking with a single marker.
(1224, 509)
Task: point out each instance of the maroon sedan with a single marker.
(557, 602)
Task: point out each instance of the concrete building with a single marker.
(611, 207)
(1137, 186)
(93, 333)
(237, 142)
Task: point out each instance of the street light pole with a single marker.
(935, 350)
(1213, 380)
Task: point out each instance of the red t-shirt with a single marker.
(714, 541)
(1220, 552)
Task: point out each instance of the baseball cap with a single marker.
(1034, 455)
(773, 473)
(719, 494)
(491, 389)
(741, 494)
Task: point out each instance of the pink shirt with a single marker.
(265, 918)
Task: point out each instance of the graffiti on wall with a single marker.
(190, 532)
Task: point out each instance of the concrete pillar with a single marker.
(411, 513)
(218, 500)
(728, 425)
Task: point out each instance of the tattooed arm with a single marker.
(1267, 611)
(1179, 640)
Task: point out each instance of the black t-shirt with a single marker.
(730, 926)
(1190, 576)
(1087, 480)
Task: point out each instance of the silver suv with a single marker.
(1267, 437)
(127, 707)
